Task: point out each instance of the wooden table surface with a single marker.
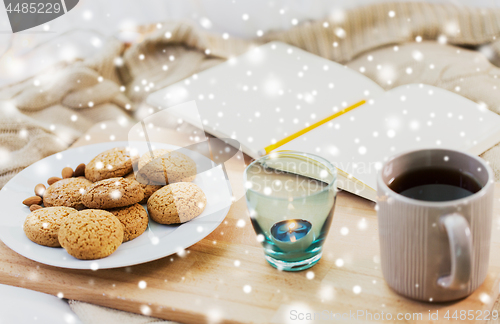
(206, 285)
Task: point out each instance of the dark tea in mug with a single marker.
(435, 184)
(435, 210)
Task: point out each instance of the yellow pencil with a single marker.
(287, 139)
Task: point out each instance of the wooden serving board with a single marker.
(207, 284)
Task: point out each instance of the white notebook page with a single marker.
(268, 93)
(404, 118)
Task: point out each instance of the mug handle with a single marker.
(460, 238)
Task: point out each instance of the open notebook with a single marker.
(274, 96)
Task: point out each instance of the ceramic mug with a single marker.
(435, 250)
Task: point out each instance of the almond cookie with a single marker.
(134, 220)
(148, 189)
(176, 203)
(169, 168)
(91, 234)
(148, 157)
(113, 193)
(42, 225)
(109, 164)
(66, 192)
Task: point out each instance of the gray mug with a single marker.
(435, 250)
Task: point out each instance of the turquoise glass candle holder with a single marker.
(291, 199)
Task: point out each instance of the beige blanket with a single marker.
(442, 45)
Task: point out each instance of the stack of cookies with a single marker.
(97, 207)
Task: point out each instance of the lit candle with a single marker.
(292, 235)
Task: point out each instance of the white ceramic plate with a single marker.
(157, 242)
(19, 305)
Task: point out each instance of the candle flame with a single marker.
(292, 225)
